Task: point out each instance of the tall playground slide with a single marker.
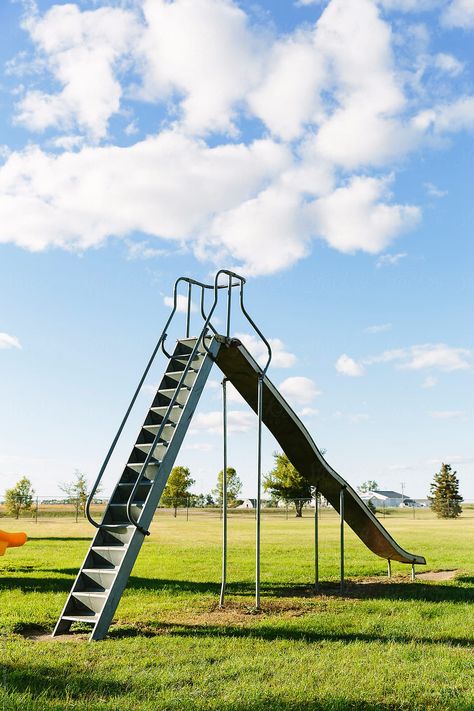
(108, 564)
(11, 540)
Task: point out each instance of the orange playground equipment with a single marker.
(11, 540)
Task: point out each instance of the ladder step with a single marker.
(138, 466)
(131, 484)
(93, 617)
(162, 409)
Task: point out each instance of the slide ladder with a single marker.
(109, 561)
(104, 574)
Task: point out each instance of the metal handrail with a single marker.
(160, 342)
(240, 281)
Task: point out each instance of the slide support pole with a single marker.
(224, 495)
(259, 491)
(341, 534)
(316, 539)
(389, 568)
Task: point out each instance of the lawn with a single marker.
(382, 645)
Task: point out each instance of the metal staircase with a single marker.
(107, 566)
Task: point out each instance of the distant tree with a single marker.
(369, 485)
(286, 483)
(445, 498)
(177, 489)
(209, 500)
(234, 487)
(19, 498)
(77, 492)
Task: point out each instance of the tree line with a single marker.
(282, 483)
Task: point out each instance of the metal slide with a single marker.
(242, 371)
(104, 574)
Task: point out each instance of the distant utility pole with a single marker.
(402, 484)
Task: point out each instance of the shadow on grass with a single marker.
(428, 592)
(81, 689)
(271, 633)
(56, 683)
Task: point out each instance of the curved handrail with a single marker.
(160, 342)
(215, 287)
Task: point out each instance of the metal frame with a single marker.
(224, 495)
(316, 538)
(341, 534)
(233, 280)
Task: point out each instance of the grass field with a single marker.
(383, 645)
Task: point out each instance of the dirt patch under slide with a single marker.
(437, 575)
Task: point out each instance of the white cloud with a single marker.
(143, 250)
(298, 389)
(390, 259)
(348, 366)
(181, 303)
(433, 191)
(203, 50)
(446, 414)
(429, 356)
(429, 382)
(448, 63)
(308, 412)
(353, 218)
(289, 95)
(378, 328)
(80, 50)
(165, 186)
(199, 446)
(334, 94)
(237, 421)
(459, 13)
(8, 341)
(410, 5)
(281, 358)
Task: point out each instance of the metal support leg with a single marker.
(224, 496)
(389, 568)
(341, 532)
(413, 571)
(316, 539)
(259, 492)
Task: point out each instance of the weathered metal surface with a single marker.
(241, 369)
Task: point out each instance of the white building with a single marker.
(387, 499)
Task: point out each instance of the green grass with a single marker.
(383, 645)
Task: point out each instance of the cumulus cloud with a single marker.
(329, 104)
(429, 356)
(354, 217)
(348, 366)
(298, 389)
(8, 341)
(181, 303)
(281, 358)
(459, 13)
(390, 259)
(80, 50)
(211, 422)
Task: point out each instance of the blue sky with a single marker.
(322, 149)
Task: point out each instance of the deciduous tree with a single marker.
(77, 492)
(177, 489)
(19, 498)
(234, 487)
(285, 482)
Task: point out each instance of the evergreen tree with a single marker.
(234, 487)
(19, 498)
(445, 498)
(285, 482)
(177, 489)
